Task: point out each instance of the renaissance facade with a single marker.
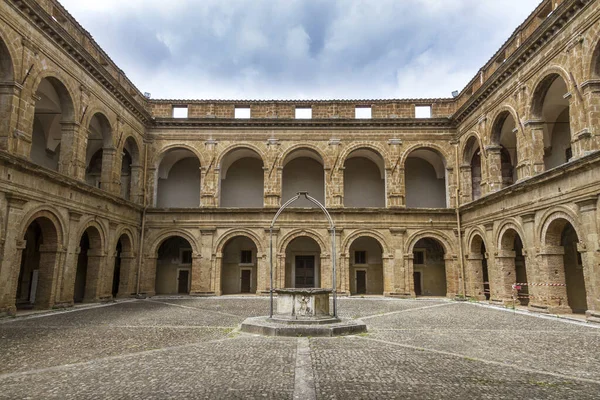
(105, 193)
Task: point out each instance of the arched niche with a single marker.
(178, 179)
(504, 134)
(174, 266)
(53, 109)
(239, 266)
(242, 179)
(303, 172)
(364, 179)
(551, 105)
(130, 169)
(99, 139)
(425, 179)
(366, 266)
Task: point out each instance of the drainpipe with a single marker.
(460, 243)
(139, 269)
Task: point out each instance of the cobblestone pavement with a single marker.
(190, 348)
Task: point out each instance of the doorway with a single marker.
(246, 281)
(361, 282)
(305, 271)
(418, 285)
(182, 281)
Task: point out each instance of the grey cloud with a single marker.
(297, 48)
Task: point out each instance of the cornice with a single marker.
(565, 13)
(444, 123)
(32, 11)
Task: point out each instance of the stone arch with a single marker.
(441, 237)
(239, 146)
(165, 234)
(296, 233)
(69, 102)
(307, 146)
(366, 233)
(178, 177)
(131, 235)
(498, 119)
(364, 176)
(8, 63)
(347, 151)
(426, 180)
(477, 272)
(111, 122)
(540, 86)
(426, 146)
(101, 238)
(466, 150)
(553, 222)
(476, 236)
(163, 151)
(241, 176)
(52, 215)
(595, 63)
(38, 250)
(131, 168)
(233, 233)
(303, 169)
(506, 226)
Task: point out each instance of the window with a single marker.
(180, 112)
(246, 257)
(303, 112)
(185, 256)
(360, 257)
(242, 112)
(422, 111)
(568, 154)
(419, 257)
(362, 112)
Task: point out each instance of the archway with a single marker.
(567, 267)
(511, 264)
(425, 179)
(123, 271)
(551, 106)
(89, 267)
(303, 263)
(472, 159)
(504, 134)
(366, 266)
(130, 169)
(478, 269)
(38, 261)
(178, 180)
(303, 171)
(99, 142)
(429, 268)
(364, 179)
(239, 266)
(53, 110)
(174, 266)
(6, 98)
(242, 179)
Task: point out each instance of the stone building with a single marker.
(105, 193)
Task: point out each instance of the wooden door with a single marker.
(183, 281)
(305, 271)
(361, 282)
(246, 281)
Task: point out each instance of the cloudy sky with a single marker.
(300, 49)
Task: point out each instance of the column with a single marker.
(466, 186)
(208, 280)
(148, 275)
(589, 247)
(552, 270)
(94, 277)
(494, 178)
(108, 182)
(534, 266)
(69, 269)
(453, 282)
(474, 278)
(127, 283)
(262, 273)
(72, 159)
(401, 284)
(534, 130)
(394, 176)
(9, 100)
(505, 276)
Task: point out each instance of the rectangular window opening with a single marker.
(422, 111)
(419, 257)
(362, 112)
(360, 257)
(180, 111)
(242, 112)
(568, 154)
(303, 113)
(185, 256)
(246, 257)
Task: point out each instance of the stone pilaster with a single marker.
(494, 178)
(534, 130)
(589, 248)
(401, 281)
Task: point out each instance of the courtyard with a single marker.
(191, 348)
